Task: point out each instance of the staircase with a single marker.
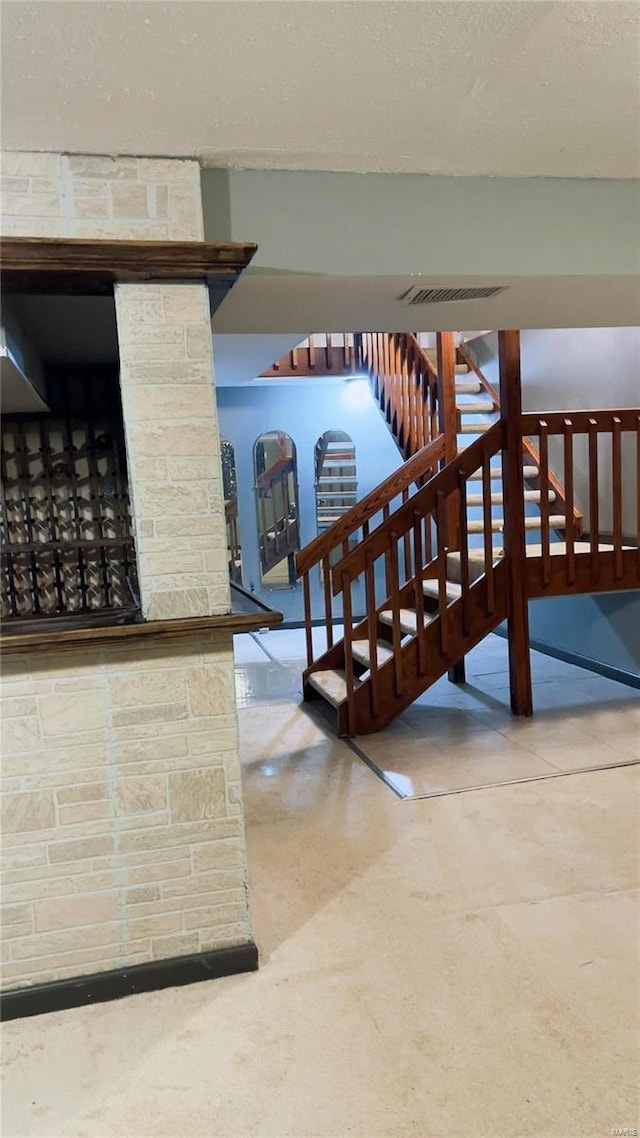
(473, 525)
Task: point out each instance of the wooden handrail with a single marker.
(581, 421)
(424, 502)
(533, 453)
(275, 473)
(417, 467)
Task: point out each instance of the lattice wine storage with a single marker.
(67, 545)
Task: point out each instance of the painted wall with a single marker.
(571, 369)
(304, 411)
(385, 224)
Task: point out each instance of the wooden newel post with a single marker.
(514, 528)
(448, 422)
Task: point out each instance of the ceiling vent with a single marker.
(418, 294)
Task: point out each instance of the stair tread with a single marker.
(468, 387)
(408, 619)
(362, 652)
(479, 407)
(474, 429)
(496, 471)
(497, 498)
(432, 589)
(556, 521)
(332, 684)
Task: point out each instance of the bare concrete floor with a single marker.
(461, 964)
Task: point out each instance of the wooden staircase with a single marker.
(472, 526)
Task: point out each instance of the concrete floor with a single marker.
(464, 963)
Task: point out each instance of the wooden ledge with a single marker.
(69, 266)
(75, 639)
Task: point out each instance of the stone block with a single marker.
(67, 912)
(20, 736)
(157, 713)
(142, 893)
(87, 166)
(86, 792)
(210, 690)
(84, 812)
(55, 943)
(139, 795)
(129, 199)
(164, 402)
(24, 813)
(224, 854)
(91, 207)
(197, 795)
(30, 164)
(185, 303)
(66, 714)
(169, 440)
(166, 947)
(169, 170)
(80, 849)
(138, 690)
(215, 915)
(31, 205)
(199, 343)
(16, 915)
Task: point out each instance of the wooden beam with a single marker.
(69, 266)
(514, 531)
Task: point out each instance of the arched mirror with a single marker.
(230, 491)
(335, 481)
(276, 488)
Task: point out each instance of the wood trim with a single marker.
(123, 260)
(77, 639)
(91, 268)
(421, 463)
(581, 421)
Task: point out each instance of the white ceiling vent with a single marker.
(419, 294)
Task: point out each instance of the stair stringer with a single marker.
(459, 641)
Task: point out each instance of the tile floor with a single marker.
(458, 738)
(461, 964)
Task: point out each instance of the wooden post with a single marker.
(514, 530)
(448, 424)
(448, 421)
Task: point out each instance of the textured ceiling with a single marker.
(500, 88)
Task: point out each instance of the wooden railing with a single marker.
(600, 451)
(354, 527)
(405, 383)
(530, 452)
(412, 544)
(325, 353)
(278, 523)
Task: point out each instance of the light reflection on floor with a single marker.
(457, 738)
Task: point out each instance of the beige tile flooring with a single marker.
(457, 738)
(463, 964)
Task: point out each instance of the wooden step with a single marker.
(496, 471)
(408, 620)
(556, 521)
(332, 685)
(362, 652)
(468, 387)
(330, 479)
(474, 428)
(534, 496)
(484, 407)
(431, 589)
(476, 564)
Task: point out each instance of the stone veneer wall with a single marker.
(121, 806)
